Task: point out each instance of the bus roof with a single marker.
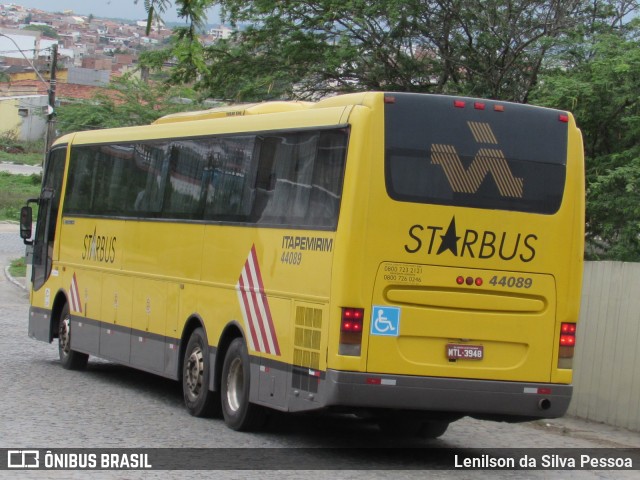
(234, 111)
(263, 108)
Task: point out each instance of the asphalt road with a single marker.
(18, 169)
(110, 406)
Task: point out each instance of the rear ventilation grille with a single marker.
(306, 352)
(307, 337)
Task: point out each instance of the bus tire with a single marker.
(407, 425)
(239, 414)
(433, 429)
(69, 359)
(199, 400)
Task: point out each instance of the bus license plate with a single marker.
(457, 351)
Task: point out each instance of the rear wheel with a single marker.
(199, 400)
(433, 429)
(239, 414)
(70, 359)
(400, 425)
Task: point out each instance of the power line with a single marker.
(19, 51)
(25, 57)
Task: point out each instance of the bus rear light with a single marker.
(563, 118)
(380, 381)
(351, 326)
(479, 106)
(567, 345)
(459, 104)
(568, 335)
(461, 280)
(498, 108)
(567, 341)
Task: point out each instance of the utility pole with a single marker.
(51, 131)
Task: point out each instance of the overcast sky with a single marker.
(103, 8)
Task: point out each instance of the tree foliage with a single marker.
(126, 102)
(601, 88)
(46, 30)
(491, 48)
(580, 55)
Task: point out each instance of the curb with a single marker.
(17, 283)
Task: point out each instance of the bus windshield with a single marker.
(467, 153)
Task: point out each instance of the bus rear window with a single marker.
(460, 152)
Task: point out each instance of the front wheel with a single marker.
(70, 359)
(199, 400)
(239, 414)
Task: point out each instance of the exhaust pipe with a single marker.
(544, 404)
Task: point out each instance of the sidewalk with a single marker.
(606, 436)
(7, 226)
(11, 228)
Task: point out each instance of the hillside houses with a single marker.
(91, 51)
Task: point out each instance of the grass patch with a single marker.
(15, 190)
(24, 153)
(18, 268)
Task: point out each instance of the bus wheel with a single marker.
(409, 426)
(433, 429)
(199, 400)
(70, 359)
(239, 414)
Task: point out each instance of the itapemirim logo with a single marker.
(487, 160)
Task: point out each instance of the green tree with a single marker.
(601, 88)
(46, 30)
(581, 55)
(154, 9)
(126, 102)
(491, 48)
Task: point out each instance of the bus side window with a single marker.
(229, 189)
(326, 188)
(265, 176)
(293, 159)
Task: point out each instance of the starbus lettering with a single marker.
(99, 248)
(470, 243)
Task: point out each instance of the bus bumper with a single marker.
(40, 324)
(482, 398)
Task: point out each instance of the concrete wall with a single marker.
(607, 364)
(23, 117)
(87, 76)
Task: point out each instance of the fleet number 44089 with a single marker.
(511, 282)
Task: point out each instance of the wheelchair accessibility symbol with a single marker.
(385, 321)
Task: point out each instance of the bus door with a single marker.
(46, 227)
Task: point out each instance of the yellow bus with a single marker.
(412, 258)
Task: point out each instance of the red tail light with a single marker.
(568, 335)
(567, 345)
(351, 325)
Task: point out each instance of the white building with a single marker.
(14, 41)
(220, 33)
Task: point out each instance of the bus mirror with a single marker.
(26, 223)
